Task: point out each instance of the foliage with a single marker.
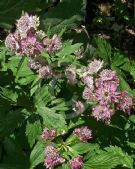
(31, 103)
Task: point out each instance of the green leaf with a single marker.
(37, 155)
(131, 144)
(56, 19)
(9, 94)
(52, 119)
(68, 50)
(19, 66)
(12, 9)
(42, 96)
(33, 130)
(124, 85)
(11, 166)
(132, 71)
(112, 157)
(118, 60)
(82, 148)
(132, 118)
(14, 152)
(104, 49)
(11, 120)
(124, 159)
(64, 166)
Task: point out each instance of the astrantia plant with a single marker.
(60, 108)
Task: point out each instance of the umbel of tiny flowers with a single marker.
(26, 22)
(76, 163)
(78, 107)
(28, 41)
(53, 157)
(49, 134)
(24, 41)
(52, 44)
(84, 133)
(71, 76)
(126, 102)
(102, 88)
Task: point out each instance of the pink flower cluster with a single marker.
(52, 158)
(126, 102)
(52, 44)
(78, 107)
(84, 133)
(49, 134)
(27, 40)
(76, 162)
(71, 76)
(24, 41)
(103, 89)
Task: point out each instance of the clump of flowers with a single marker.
(126, 102)
(53, 157)
(76, 162)
(84, 133)
(102, 88)
(49, 134)
(78, 107)
(71, 76)
(52, 44)
(24, 41)
(28, 41)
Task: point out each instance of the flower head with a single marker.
(45, 72)
(102, 112)
(30, 46)
(88, 94)
(84, 133)
(79, 52)
(11, 42)
(88, 81)
(107, 93)
(76, 162)
(71, 76)
(26, 22)
(49, 134)
(34, 64)
(52, 44)
(109, 75)
(94, 66)
(125, 102)
(78, 107)
(52, 158)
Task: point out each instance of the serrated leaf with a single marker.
(37, 155)
(69, 50)
(11, 166)
(104, 50)
(42, 96)
(33, 130)
(132, 71)
(82, 148)
(56, 20)
(9, 94)
(19, 66)
(132, 118)
(64, 166)
(14, 152)
(52, 119)
(124, 158)
(112, 157)
(10, 121)
(11, 10)
(131, 144)
(124, 85)
(118, 60)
